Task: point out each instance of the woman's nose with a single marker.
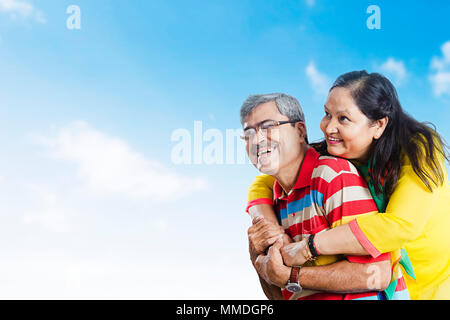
(331, 127)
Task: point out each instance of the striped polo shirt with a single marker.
(329, 192)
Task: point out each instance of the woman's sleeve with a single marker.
(407, 213)
(261, 191)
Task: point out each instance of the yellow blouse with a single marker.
(415, 218)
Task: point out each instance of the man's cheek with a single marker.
(253, 157)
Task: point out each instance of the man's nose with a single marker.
(261, 137)
(257, 140)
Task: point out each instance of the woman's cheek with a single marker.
(323, 126)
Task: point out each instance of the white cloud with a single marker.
(319, 81)
(440, 66)
(16, 8)
(108, 165)
(48, 212)
(310, 3)
(395, 70)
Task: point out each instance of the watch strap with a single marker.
(295, 273)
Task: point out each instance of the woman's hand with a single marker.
(293, 254)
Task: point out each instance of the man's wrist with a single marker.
(284, 276)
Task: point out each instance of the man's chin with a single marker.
(267, 169)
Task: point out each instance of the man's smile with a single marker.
(265, 152)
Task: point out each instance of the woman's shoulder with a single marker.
(424, 150)
(435, 167)
(263, 180)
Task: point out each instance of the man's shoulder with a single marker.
(329, 167)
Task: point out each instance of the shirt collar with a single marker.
(304, 176)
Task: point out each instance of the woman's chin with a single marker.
(334, 151)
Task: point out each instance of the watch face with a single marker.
(293, 287)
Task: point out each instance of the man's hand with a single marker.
(263, 234)
(271, 268)
(293, 253)
(253, 253)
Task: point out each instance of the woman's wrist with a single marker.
(312, 247)
(320, 243)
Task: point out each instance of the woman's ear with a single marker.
(381, 126)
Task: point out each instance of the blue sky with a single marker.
(92, 205)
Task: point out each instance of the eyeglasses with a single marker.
(264, 127)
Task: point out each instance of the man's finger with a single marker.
(260, 260)
(278, 243)
(271, 241)
(265, 229)
(257, 220)
(256, 227)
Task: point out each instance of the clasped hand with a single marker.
(282, 253)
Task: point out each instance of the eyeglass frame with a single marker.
(258, 126)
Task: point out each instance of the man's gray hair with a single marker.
(287, 105)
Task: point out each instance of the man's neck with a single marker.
(287, 177)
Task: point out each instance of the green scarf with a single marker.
(381, 201)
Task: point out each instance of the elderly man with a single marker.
(305, 204)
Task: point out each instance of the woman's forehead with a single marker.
(340, 100)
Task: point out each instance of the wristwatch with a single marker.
(293, 284)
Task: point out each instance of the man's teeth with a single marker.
(264, 152)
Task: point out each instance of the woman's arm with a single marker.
(265, 211)
(339, 240)
(407, 213)
(260, 208)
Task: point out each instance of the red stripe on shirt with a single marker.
(330, 296)
(344, 180)
(337, 164)
(310, 226)
(351, 208)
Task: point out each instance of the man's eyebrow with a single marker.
(249, 127)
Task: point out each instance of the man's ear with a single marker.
(301, 129)
(381, 126)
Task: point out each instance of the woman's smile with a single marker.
(334, 141)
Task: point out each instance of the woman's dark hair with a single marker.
(377, 98)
